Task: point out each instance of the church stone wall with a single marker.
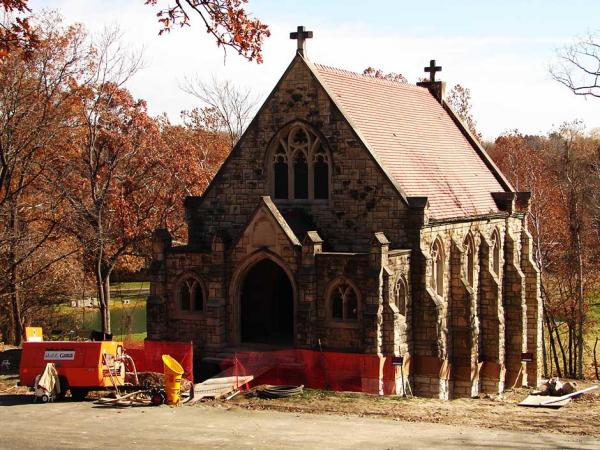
(463, 341)
(462, 344)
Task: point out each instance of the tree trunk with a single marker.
(103, 292)
(553, 346)
(13, 281)
(560, 345)
(580, 307)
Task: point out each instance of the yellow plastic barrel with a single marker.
(173, 372)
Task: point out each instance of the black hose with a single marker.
(279, 391)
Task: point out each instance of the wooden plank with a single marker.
(568, 396)
(538, 401)
(226, 382)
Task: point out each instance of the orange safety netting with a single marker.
(319, 370)
(147, 355)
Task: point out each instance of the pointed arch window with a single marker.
(400, 292)
(343, 300)
(438, 267)
(495, 250)
(469, 260)
(301, 166)
(190, 295)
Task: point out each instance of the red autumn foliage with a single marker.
(226, 20)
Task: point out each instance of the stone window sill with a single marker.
(189, 315)
(343, 324)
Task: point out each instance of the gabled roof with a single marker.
(265, 203)
(417, 142)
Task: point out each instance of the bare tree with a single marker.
(232, 104)
(578, 67)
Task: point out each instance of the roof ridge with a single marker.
(358, 75)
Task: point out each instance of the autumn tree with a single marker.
(378, 73)
(556, 170)
(16, 30)
(35, 107)
(226, 20)
(459, 99)
(578, 66)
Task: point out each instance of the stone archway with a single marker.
(266, 305)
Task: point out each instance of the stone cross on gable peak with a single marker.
(432, 69)
(301, 35)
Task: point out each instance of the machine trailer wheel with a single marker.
(45, 398)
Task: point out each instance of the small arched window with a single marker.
(469, 260)
(191, 295)
(400, 292)
(438, 269)
(495, 248)
(300, 166)
(344, 302)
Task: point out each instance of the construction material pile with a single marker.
(556, 388)
(156, 380)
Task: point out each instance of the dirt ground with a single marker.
(85, 425)
(580, 417)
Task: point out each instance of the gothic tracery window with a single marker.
(438, 269)
(191, 295)
(344, 302)
(301, 166)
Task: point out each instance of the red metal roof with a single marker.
(416, 142)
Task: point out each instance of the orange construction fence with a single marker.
(319, 370)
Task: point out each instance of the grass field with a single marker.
(127, 313)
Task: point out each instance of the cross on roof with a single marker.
(301, 35)
(432, 69)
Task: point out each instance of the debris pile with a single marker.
(156, 379)
(554, 394)
(556, 388)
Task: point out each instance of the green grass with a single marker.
(130, 285)
(127, 320)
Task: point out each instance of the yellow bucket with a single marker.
(173, 372)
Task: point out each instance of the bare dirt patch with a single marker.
(581, 416)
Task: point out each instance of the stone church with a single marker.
(359, 215)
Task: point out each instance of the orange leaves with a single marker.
(17, 34)
(226, 20)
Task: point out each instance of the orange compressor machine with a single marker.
(81, 366)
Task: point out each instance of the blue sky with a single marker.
(501, 50)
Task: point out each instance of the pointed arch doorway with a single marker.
(267, 305)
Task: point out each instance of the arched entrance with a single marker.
(267, 305)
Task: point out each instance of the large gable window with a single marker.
(301, 166)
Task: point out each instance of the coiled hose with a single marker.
(279, 391)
